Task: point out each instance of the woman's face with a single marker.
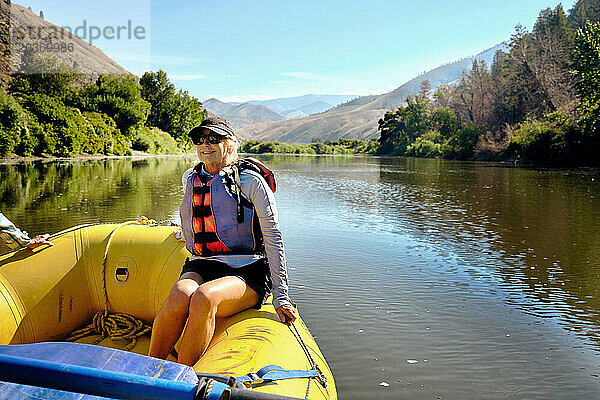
(210, 153)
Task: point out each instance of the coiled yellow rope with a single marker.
(117, 326)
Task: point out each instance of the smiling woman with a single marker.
(214, 150)
(230, 226)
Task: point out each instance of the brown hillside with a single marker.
(21, 29)
(327, 126)
(4, 41)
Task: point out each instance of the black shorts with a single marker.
(256, 275)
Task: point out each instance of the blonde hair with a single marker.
(231, 150)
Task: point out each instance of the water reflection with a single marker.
(51, 196)
(536, 228)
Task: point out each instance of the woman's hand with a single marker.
(287, 313)
(40, 240)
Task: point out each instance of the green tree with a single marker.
(157, 90)
(583, 11)
(402, 127)
(473, 96)
(186, 113)
(119, 96)
(587, 74)
(445, 121)
(173, 112)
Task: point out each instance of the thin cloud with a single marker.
(368, 92)
(164, 59)
(133, 57)
(364, 91)
(307, 75)
(186, 77)
(244, 98)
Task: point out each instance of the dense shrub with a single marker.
(64, 128)
(141, 142)
(43, 75)
(13, 123)
(549, 139)
(340, 147)
(250, 146)
(155, 141)
(367, 147)
(104, 136)
(423, 148)
(50, 111)
(461, 144)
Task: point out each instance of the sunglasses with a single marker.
(212, 138)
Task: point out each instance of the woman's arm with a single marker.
(258, 192)
(14, 239)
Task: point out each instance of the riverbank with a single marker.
(15, 159)
(140, 155)
(135, 155)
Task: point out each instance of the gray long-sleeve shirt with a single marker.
(256, 190)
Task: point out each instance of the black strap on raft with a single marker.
(217, 389)
(220, 387)
(272, 373)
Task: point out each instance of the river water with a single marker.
(420, 279)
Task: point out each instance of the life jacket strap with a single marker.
(201, 211)
(205, 237)
(201, 189)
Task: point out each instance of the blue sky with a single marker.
(238, 50)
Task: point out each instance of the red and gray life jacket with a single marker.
(216, 218)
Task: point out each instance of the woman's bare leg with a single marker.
(219, 298)
(170, 320)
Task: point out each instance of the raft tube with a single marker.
(49, 292)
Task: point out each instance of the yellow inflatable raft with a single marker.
(47, 293)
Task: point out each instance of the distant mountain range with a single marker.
(307, 104)
(357, 118)
(17, 23)
(241, 114)
(261, 111)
